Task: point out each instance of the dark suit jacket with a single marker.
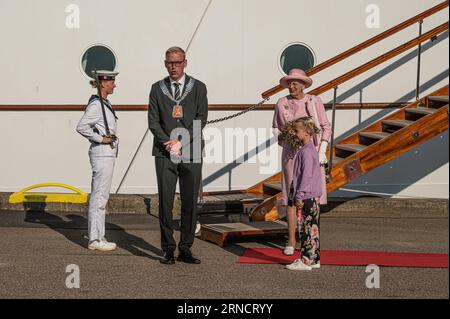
(161, 123)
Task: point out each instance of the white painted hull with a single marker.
(235, 52)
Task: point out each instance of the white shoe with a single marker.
(109, 243)
(198, 228)
(315, 266)
(298, 265)
(102, 245)
(289, 250)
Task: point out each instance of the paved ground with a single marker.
(36, 248)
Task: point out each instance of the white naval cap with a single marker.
(105, 74)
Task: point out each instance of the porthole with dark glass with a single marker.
(296, 55)
(98, 57)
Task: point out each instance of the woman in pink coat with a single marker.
(289, 108)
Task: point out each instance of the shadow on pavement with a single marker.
(67, 225)
(270, 241)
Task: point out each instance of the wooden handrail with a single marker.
(365, 44)
(382, 58)
(211, 107)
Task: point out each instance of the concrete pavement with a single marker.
(36, 248)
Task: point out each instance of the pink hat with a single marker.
(296, 74)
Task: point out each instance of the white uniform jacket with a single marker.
(92, 126)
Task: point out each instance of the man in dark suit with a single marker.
(177, 114)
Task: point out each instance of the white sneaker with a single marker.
(289, 250)
(102, 245)
(315, 266)
(298, 265)
(109, 243)
(198, 228)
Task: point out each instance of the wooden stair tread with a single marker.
(399, 123)
(374, 135)
(274, 185)
(261, 226)
(231, 197)
(223, 203)
(421, 110)
(219, 233)
(439, 98)
(351, 147)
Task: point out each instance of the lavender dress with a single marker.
(288, 109)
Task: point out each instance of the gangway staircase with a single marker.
(352, 157)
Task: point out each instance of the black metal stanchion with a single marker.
(333, 120)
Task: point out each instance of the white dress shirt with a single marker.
(180, 82)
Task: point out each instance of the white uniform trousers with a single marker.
(102, 174)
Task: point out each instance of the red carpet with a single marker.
(348, 258)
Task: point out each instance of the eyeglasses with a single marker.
(174, 63)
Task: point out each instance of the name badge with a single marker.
(177, 111)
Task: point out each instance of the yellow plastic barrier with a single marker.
(22, 195)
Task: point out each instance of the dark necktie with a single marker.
(177, 90)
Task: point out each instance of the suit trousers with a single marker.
(102, 174)
(167, 173)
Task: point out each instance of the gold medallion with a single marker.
(177, 111)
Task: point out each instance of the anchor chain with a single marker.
(239, 113)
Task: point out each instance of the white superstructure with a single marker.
(235, 47)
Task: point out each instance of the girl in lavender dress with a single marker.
(304, 193)
(293, 106)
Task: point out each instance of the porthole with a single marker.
(99, 57)
(296, 55)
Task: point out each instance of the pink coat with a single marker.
(288, 109)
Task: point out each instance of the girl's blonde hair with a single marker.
(308, 124)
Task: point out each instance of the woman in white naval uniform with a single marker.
(102, 155)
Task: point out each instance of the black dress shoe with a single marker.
(186, 256)
(168, 258)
